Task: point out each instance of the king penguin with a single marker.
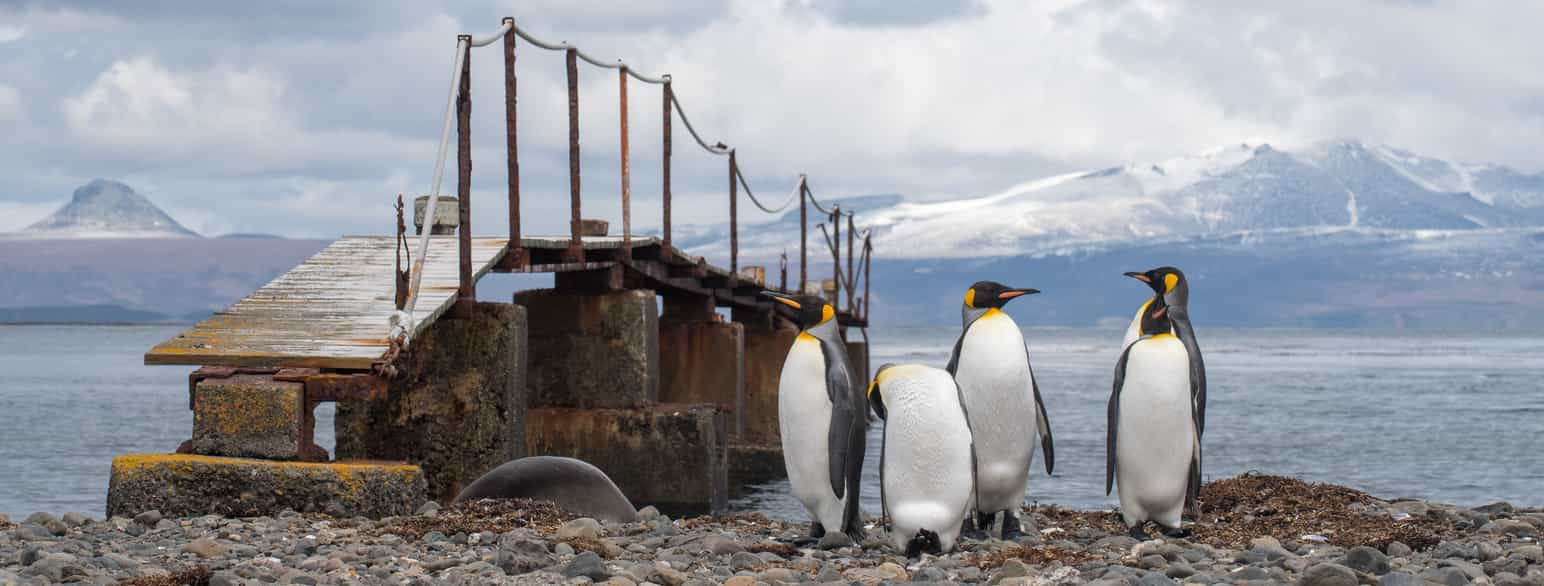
(991, 363)
(1170, 284)
(925, 461)
(822, 419)
(1153, 448)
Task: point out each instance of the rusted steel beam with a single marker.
(295, 375)
(466, 295)
(665, 246)
(782, 266)
(627, 193)
(734, 217)
(575, 251)
(836, 255)
(851, 284)
(804, 224)
(868, 259)
(603, 279)
(345, 387)
(516, 256)
(693, 271)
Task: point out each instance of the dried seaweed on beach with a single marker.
(192, 576)
(1237, 510)
(491, 515)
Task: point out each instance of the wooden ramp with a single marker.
(332, 311)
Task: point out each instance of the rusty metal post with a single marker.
(804, 224)
(515, 253)
(734, 218)
(836, 255)
(868, 262)
(852, 283)
(466, 296)
(575, 251)
(627, 194)
(782, 266)
(665, 246)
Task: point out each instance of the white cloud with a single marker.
(12, 107)
(10, 33)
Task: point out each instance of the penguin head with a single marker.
(807, 311)
(1155, 320)
(1167, 282)
(876, 399)
(992, 295)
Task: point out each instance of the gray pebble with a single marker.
(1368, 560)
(148, 518)
(1327, 574)
(745, 561)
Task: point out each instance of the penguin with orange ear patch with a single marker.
(997, 386)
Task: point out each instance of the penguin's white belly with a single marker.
(1155, 439)
(804, 418)
(927, 458)
(993, 373)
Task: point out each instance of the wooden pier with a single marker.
(671, 404)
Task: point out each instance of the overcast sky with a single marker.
(305, 118)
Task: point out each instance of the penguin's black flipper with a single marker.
(1180, 317)
(1114, 421)
(846, 414)
(1042, 422)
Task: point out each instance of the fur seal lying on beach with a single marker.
(575, 485)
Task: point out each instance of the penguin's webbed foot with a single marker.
(1177, 533)
(1011, 529)
(923, 542)
(817, 531)
(968, 530)
(1139, 531)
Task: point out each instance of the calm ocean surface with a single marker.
(1446, 416)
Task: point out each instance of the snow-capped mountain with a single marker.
(1236, 189)
(105, 208)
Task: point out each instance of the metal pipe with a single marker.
(782, 266)
(868, 261)
(514, 251)
(851, 284)
(836, 255)
(665, 170)
(575, 251)
(627, 193)
(467, 294)
(804, 224)
(734, 218)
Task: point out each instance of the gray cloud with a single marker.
(305, 118)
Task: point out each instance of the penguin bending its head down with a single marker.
(926, 461)
(1171, 285)
(997, 386)
(1153, 448)
(822, 419)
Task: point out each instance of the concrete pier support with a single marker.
(704, 362)
(592, 349)
(458, 407)
(756, 454)
(671, 456)
(857, 356)
(186, 485)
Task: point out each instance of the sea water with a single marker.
(1453, 417)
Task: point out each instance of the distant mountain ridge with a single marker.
(104, 208)
(1232, 190)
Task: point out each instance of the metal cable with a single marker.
(495, 36)
(786, 202)
(402, 320)
(717, 149)
(564, 46)
(811, 193)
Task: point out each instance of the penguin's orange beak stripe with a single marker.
(1160, 312)
(789, 302)
(1010, 294)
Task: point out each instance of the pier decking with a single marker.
(334, 310)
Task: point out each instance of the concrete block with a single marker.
(592, 350)
(765, 351)
(458, 406)
(185, 485)
(752, 464)
(674, 457)
(252, 416)
(857, 357)
(704, 362)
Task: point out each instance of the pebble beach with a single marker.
(1253, 529)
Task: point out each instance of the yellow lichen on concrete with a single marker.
(132, 462)
(192, 485)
